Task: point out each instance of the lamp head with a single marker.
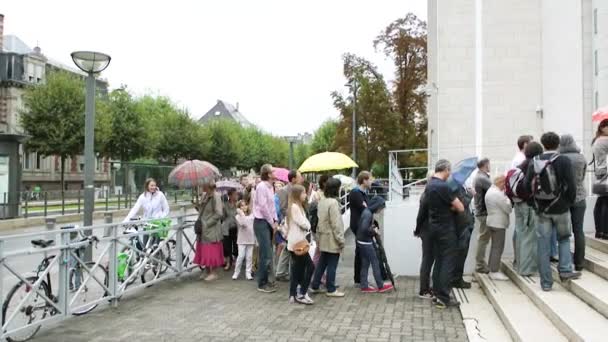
(90, 61)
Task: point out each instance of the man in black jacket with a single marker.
(553, 213)
(358, 202)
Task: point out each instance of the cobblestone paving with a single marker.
(189, 309)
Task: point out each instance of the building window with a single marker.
(98, 164)
(595, 21)
(38, 161)
(595, 63)
(26, 161)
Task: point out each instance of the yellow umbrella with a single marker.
(327, 161)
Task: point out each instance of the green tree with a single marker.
(301, 153)
(225, 148)
(324, 137)
(180, 137)
(125, 137)
(53, 117)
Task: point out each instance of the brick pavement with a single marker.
(189, 309)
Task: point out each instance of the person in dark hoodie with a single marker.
(366, 231)
(553, 197)
(428, 252)
(358, 202)
(568, 148)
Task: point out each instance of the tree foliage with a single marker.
(324, 138)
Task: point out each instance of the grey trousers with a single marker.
(497, 235)
(283, 264)
(482, 243)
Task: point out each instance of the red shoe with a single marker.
(369, 290)
(386, 288)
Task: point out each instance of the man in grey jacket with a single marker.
(568, 148)
(482, 184)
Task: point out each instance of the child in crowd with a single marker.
(245, 239)
(365, 234)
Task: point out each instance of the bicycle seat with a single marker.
(43, 243)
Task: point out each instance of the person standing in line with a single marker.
(482, 184)
(520, 156)
(152, 201)
(442, 205)
(295, 178)
(264, 226)
(314, 218)
(428, 253)
(358, 201)
(499, 208)
(330, 232)
(279, 239)
(367, 230)
(229, 229)
(600, 153)
(525, 215)
(568, 148)
(298, 230)
(209, 252)
(552, 183)
(245, 240)
(465, 222)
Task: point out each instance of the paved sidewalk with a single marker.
(189, 309)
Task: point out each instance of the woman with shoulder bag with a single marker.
(600, 186)
(330, 232)
(298, 235)
(209, 248)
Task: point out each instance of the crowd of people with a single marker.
(544, 187)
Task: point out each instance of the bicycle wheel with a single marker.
(92, 290)
(171, 252)
(34, 309)
(132, 260)
(152, 270)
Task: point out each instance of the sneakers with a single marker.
(498, 276)
(579, 268)
(462, 284)
(426, 295)
(282, 278)
(482, 270)
(451, 304)
(386, 288)
(335, 294)
(249, 278)
(267, 289)
(235, 276)
(569, 276)
(305, 299)
(369, 290)
(292, 300)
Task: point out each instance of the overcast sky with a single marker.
(279, 59)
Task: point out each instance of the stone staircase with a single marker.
(575, 310)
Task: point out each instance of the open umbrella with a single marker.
(461, 172)
(281, 174)
(327, 161)
(600, 115)
(193, 173)
(228, 185)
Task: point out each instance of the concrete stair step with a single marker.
(600, 245)
(520, 316)
(590, 288)
(480, 320)
(596, 261)
(573, 317)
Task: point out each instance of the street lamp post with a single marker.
(292, 141)
(92, 63)
(354, 86)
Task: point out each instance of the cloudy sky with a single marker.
(278, 59)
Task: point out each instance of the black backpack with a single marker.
(313, 218)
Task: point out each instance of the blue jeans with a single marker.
(561, 225)
(554, 252)
(262, 234)
(368, 256)
(327, 261)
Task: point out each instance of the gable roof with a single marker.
(225, 110)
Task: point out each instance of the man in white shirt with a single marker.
(519, 158)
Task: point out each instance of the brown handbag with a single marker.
(301, 247)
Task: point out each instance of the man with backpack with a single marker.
(551, 182)
(525, 245)
(358, 201)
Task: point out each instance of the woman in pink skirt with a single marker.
(209, 249)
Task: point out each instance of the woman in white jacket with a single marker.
(152, 201)
(499, 208)
(298, 229)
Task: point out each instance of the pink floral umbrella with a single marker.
(600, 115)
(281, 174)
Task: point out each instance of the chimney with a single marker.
(1, 32)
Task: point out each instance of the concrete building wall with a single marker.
(600, 51)
(588, 78)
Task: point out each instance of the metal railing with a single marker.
(45, 203)
(88, 271)
(401, 176)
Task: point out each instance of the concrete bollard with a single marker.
(108, 218)
(50, 222)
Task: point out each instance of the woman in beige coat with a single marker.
(330, 232)
(499, 208)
